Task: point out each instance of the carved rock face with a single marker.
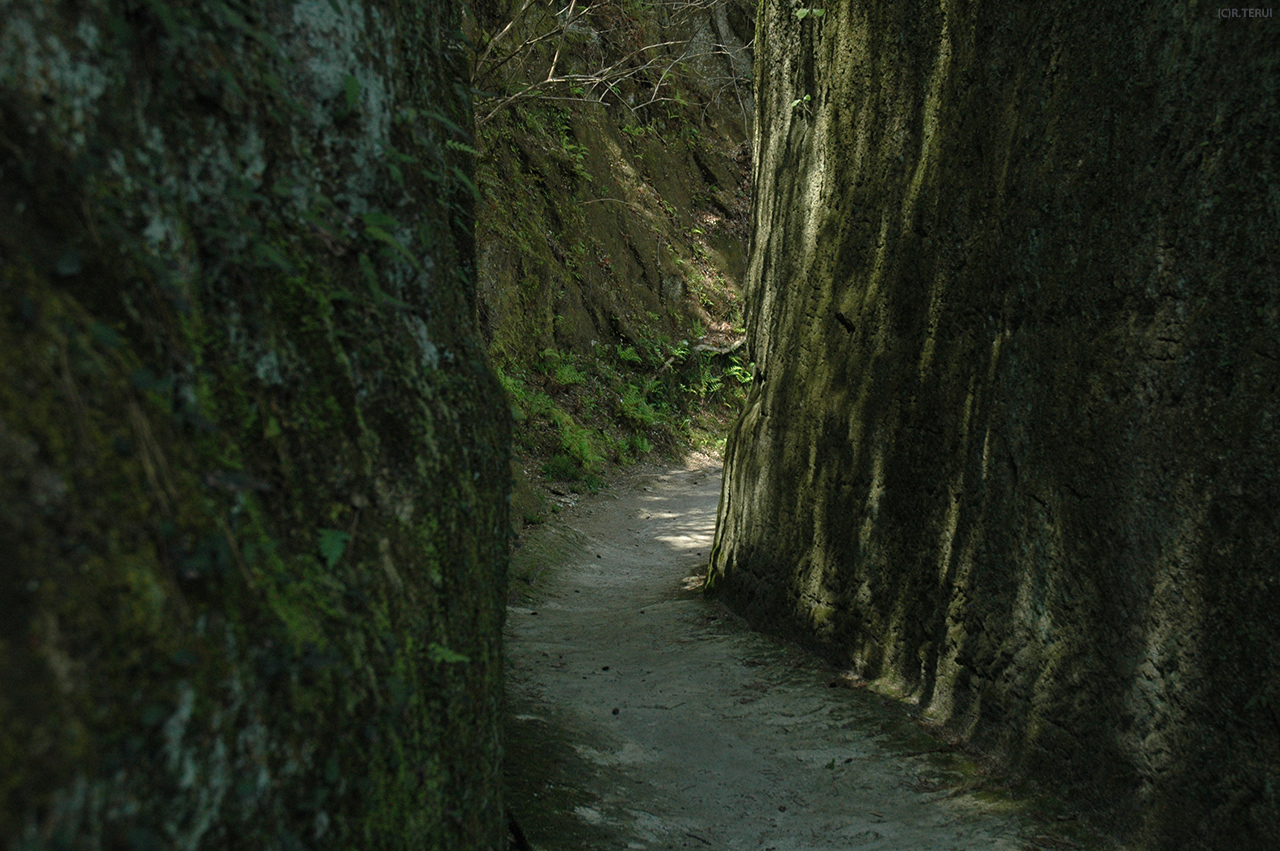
(1012, 446)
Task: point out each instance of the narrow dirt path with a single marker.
(641, 715)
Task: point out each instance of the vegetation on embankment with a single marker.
(1013, 451)
(253, 462)
(612, 230)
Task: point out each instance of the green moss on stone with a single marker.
(200, 376)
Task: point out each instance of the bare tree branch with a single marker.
(509, 56)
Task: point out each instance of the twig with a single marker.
(702, 347)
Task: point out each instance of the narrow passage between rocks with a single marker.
(643, 716)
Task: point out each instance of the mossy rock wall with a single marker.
(1012, 447)
(253, 462)
(603, 213)
(612, 226)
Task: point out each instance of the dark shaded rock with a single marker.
(252, 460)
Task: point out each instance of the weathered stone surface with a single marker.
(1012, 448)
(252, 460)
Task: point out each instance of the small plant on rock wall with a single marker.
(629, 354)
(738, 371)
(634, 406)
(561, 467)
(638, 131)
(568, 375)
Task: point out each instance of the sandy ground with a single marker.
(643, 716)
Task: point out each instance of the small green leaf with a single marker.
(382, 236)
(370, 275)
(272, 256)
(399, 690)
(801, 14)
(333, 544)
(458, 146)
(445, 120)
(165, 14)
(233, 18)
(466, 181)
(375, 219)
(440, 653)
(284, 187)
(351, 86)
(371, 278)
